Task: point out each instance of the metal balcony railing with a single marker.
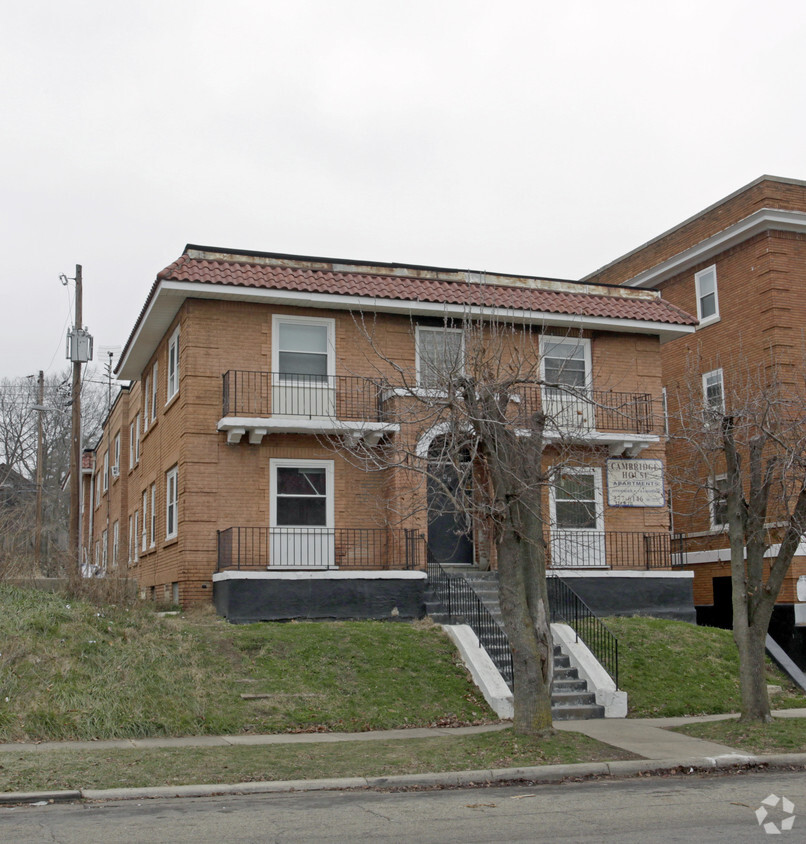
(577, 549)
(318, 548)
(266, 394)
(585, 410)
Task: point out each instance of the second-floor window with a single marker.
(146, 397)
(566, 363)
(173, 366)
(303, 348)
(440, 355)
(707, 298)
(106, 471)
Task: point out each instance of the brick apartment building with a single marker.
(220, 460)
(740, 266)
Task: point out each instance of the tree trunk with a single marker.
(524, 605)
(750, 641)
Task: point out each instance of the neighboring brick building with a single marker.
(740, 265)
(241, 365)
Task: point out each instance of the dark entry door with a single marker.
(448, 538)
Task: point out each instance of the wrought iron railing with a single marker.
(264, 394)
(566, 606)
(463, 606)
(608, 549)
(585, 410)
(318, 548)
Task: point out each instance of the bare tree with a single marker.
(739, 445)
(19, 419)
(487, 424)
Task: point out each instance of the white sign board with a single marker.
(635, 483)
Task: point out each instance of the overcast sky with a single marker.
(526, 137)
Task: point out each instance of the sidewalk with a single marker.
(661, 750)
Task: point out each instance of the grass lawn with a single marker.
(70, 769)
(784, 735)
(72, 670)
(671, 668)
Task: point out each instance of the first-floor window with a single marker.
(577, 494)
(152, 532)
(136, 523)
(144, 538)
(171, 496)
(104, 547)
(131, 541)
(115, 542)
(303, 493)
(718, 500)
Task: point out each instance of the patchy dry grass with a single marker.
(784, 735)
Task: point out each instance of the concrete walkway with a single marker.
(661, 750)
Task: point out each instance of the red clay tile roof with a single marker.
(423, 289)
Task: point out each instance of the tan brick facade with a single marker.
(224, 482)
(761, 287)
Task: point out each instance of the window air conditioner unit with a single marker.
(115, 471)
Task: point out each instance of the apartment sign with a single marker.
(635, 483)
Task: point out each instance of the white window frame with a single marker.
(154, 389)
(152, 530)
(328, 323)
(708, 407)
(146, 396)
(106, 471)
(172, 502)
(698, 281)
(172, 379)
(665, 405)
(104, 548)
(598, 495)
(131, 540)
(137, 439)
(434, 329)
(115, 543)
(717, 527)
(276, 463)
(136, 524)
(144, 529)
(116, 463)
(131, 446)
(551, 340)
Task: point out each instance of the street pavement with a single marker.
(660, 749)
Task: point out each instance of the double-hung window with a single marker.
(116, 460)
(303, 349)
(171, 500)
(713, 393)
(707, 297)
(566, 364)
(134, 534)
(152, 531)
(576, 500)
(115, 543)
(132, 461)
(137, 439)
(154, 387)
(440, 356)
(104, 549)
(144, 538)
(718, 502)
(172, 383)
(106, 471)
(132, 540)
(146, 397)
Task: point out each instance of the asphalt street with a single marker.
(657, 809)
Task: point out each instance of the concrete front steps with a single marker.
(571, 699)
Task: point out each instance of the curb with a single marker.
(536, 774)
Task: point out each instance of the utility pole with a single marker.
(39, 449)
(79, 350)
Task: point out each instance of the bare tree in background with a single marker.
(740, 445)
(487, 425)
(19, 420)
